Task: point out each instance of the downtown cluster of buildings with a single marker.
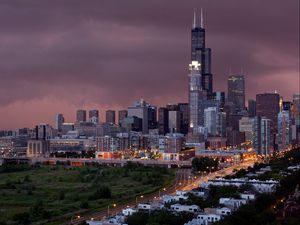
(209, 120)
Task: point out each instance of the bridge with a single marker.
(88, 161)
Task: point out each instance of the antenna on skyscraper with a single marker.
(202, 26)
(195, 20)
(242, 70)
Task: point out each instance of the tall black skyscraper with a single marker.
(236, 91)
(202, 54)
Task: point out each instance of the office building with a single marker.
(122, 114)
(296, 110)
(286, 106)
(132, 123)
(221, 125)
(267, 105)
(146, 112)
(174, 121)
(87, 129)
(80, 116)
(236, 91)
(246, 126)
(196, 95)
(210, 120)
(284, 130)
(152, 117)
(184, 113)
(219, 96)
(174, 143)
(251, 108)
(94, 116)
(66, 127)
(163, 121)
(262, 136)
(110, 116)
(59, 120)
(201, 54)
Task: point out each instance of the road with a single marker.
(185, 180)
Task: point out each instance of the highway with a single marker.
(185, 180)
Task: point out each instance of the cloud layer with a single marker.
(56, 56)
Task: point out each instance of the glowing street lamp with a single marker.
(108, 208)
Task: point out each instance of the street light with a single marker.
(76, 217)
(164, 189)
(136, 199)
(108, 208)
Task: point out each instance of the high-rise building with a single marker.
(284, 131)
(59, 120)
(196, 95)
(146, 112)
(286, 106)
(262, 136)
(219, 96)
(80, 116)
(221, 126)
(184, 121)
(246, 126)
(110, 116)
(236, 91)
(152, 117)
(266, 137)
(211, 120)
(201, 54)
(172, 107)
(251, 108)
(174, 121)
(122, 114)
(94, 116)
(163, 120)
(296, 109)
(267, 105)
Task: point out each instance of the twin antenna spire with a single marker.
(195, 19)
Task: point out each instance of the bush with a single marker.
(84, 205)
(101, 192)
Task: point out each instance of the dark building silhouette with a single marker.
(184, 117)
(122, 114)
(110, 116)
(200, 53)
(267, 105)
(236, 91)
(251, 108)
(80, 116)
(219, 96)
(163, 120)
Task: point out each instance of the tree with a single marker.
(102, 192)
(204, 164)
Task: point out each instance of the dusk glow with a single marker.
(58, 57)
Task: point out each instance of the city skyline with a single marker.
(60, 72)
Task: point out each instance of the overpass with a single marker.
(88, 161)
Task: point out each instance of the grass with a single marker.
(46, 192)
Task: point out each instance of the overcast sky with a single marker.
(61, 55)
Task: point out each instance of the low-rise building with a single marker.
(267, 186)
(128, 211)
(185, 208)
(232, 203)
(247, 196)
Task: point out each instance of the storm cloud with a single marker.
(60, 55)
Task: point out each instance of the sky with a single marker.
(61, 55)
